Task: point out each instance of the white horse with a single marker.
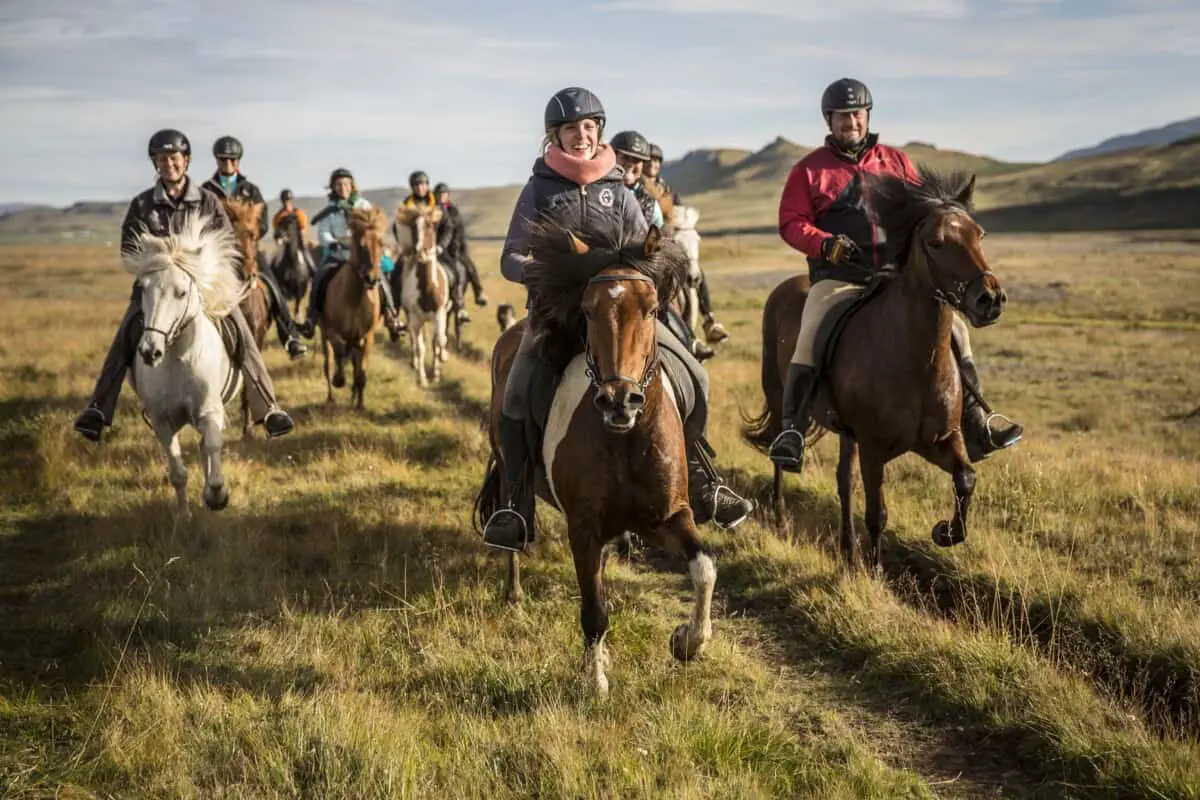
(184, 375)
(425, 286)
(684, 220)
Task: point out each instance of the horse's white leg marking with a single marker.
(689, 638)
(596, 662)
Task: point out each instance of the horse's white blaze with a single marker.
(615, 291)
(572, 390)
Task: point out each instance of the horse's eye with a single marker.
(181, 293)
(934, 244)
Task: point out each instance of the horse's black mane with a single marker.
(900, 206)
(557, 277)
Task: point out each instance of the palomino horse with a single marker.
(351, 313)
(893, 384)
(184, 375)
(425, 286)
(683, 220)
(292, 262)
(255, 306)
(613, 450)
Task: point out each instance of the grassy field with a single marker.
(339, 631)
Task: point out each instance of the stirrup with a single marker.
(787, 463)
(987, 426)
(499, 516)
(716, 502)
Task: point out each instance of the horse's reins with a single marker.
(651, 361)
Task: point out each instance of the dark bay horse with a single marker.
(256, 307)
(893, 385)
(613, 449)
(351, 313)
(292, 262)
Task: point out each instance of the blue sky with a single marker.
(457, 87)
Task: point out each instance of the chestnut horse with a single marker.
(893, 386)
(245, 218)
(613, 449)
(351, 313)
(424, 286)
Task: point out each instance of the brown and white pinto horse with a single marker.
(245, 217)
(893, 385)
(351, 314)
(613, 449)
(424, 286)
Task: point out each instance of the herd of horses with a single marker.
(613, 459)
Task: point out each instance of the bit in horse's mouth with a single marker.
(624, 425)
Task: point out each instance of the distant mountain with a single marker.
(10, 208)
(1165, 134)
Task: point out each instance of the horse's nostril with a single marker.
(635, 400)
(603, 401)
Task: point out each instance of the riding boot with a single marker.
(511, 527)
(390, 318)
(458, 289)
(788, 448)
(264, 407)
(100, 411)
(316, 299)
(710, 497)
(981, 437)
(714, 331)
(285, 326)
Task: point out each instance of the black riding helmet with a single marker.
(571, 105)
(656, 152)
(227, 147)
(285, 195)
(340, 172)
(441, 187)
(845, 94)
(416, 178)
(169, 140)
(633, 144)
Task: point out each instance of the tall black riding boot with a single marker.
(511, 527)
(788, 448)
(982, 439)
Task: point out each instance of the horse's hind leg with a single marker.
(327, 347)
(777, 496)
(951, 455)
(587, 548)
(168, 437)
(247, 424)
(871, 466)
(216, 493)
(513, 593)
(679, 534)
(845, 484)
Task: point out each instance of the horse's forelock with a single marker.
(901, 206)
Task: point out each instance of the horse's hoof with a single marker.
(339, 381)
(216, 498)
(683, 648)
(943, 537)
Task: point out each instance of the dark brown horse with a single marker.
(292, 262)
(245, 218)
(351, 313)
(893, 385)
(613, 449)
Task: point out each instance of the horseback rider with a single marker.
(289, 209)
(452, 240)
(668, 198)
(228, 181)
(633, 154)
(421, 197)
(333, 235)
(824, 214)
(577, 183)
(160, 210)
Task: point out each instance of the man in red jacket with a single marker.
(824, 214)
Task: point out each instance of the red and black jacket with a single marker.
(824, 197)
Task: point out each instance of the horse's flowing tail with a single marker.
(489, 499)
(761, 430)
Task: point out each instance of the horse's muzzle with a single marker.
(151, 349)
(984, 306)
(620, 405)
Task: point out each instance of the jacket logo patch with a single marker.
(606, 197)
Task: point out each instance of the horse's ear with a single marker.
(577, 245)
(653, 242)
(966, 193)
